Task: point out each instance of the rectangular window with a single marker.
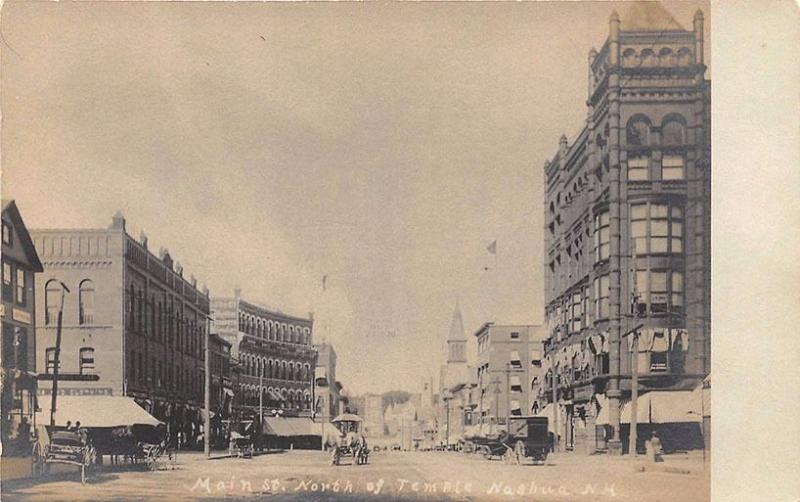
(601, 236)
(21, 289)
(8, 290)
(577, 313)
(658, 292)
(515, 361)
(6, 233)
(672, 167)
(677, 292)
(638, 169)
(656, 229)
(514, 335)
(87, 361)
(601, 295)
(50, 360)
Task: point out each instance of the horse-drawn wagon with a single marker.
(351, 441)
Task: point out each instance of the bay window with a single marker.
(601, 236)
(601, 294)
(656, 228)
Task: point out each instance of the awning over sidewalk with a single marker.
(96, 411)
(655, 407)
(297, 426)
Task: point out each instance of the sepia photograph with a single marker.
(357, 251)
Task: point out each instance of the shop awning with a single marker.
(275, 396)
(515, 359)
(663, 407)
(516, 384)
(291, 426)
(96, 411)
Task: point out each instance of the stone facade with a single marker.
(627, 227)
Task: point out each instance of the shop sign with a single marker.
(583, 393)
(21, 316)
(88, 391)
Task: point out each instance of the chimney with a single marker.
(237, 292)
(143, 239)
(205, 290)
(179, 269)
(193, 281)
(118, 221)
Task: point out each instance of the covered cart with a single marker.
(530, 438)
(109, 425)
(351, 441)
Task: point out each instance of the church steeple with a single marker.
(456, 340)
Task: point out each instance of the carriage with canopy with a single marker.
(109, 425)
(351, 441)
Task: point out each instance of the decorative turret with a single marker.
(698, 37)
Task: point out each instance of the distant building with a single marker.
(628, 230)
(453, 373)
(275, 353)
(18, 313)
(373, 415)
(326, 388)
(509, 369)
(133, 325)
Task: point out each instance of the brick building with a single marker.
(627, 211)
(274, 351)
(509, 369)
(132, 324)
(17, 311)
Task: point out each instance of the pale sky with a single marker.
(267, 145)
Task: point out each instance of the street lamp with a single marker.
(57, 355)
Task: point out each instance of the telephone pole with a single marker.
(207, 397)
(57, 356)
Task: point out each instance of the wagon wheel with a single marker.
(485, 451)
(38, 460)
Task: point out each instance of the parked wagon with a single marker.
(531, 438)
(242, 442)
(110, 425)
(71, 447)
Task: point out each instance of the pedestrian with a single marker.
(654, 448)
(69, 425)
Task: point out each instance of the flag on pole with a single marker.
(492, 249)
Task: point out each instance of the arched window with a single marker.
(629, 57)
(86, 302)
(52, 300)
(649, 57)
(673, 130)
(637, 132)
(684, 56)
(665, 57)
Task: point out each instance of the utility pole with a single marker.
(57, 356)
(634, 395)
(207, 403)
(554, 384)
(261, 394)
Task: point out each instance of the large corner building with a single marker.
(627, 233)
